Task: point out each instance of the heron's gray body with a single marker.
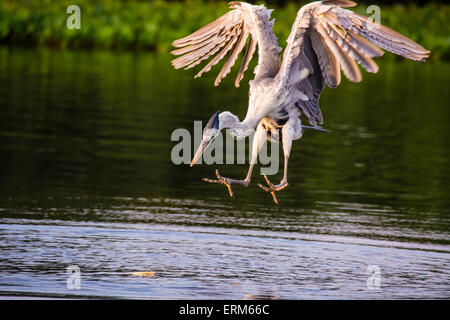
(324, 39)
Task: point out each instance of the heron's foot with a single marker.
(227, 182)
(273, 188)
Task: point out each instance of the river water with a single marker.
(87, 181)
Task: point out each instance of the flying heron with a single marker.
(324, 39)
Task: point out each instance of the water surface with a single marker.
(87, 180)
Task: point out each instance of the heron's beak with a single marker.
(203, 145)
(210, 132)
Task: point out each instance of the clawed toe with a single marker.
(220, 180)
(273, 188)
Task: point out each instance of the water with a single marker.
(86, 180)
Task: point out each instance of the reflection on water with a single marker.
(86, 179)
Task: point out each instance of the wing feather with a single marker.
(343, 41)
(312, 85)
(380, 35)
(335, 38)
(233, 56)
(193, 58)
(328, 63)
(221, 54)
(249, 51)
(348, 65)
(206, 31)
(228, 34)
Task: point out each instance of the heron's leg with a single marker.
(228, 182)
(287, 144)
(274, 188)
(258, 142)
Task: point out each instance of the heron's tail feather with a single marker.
(318, 128)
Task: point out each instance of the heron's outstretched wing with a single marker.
(326, 38)
(228, 34)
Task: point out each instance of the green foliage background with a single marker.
(153, 25)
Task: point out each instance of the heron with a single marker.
(325, 39)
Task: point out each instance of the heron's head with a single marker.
(218, 121)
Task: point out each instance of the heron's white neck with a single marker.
(238, 129)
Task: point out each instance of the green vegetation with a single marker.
(153, 25)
